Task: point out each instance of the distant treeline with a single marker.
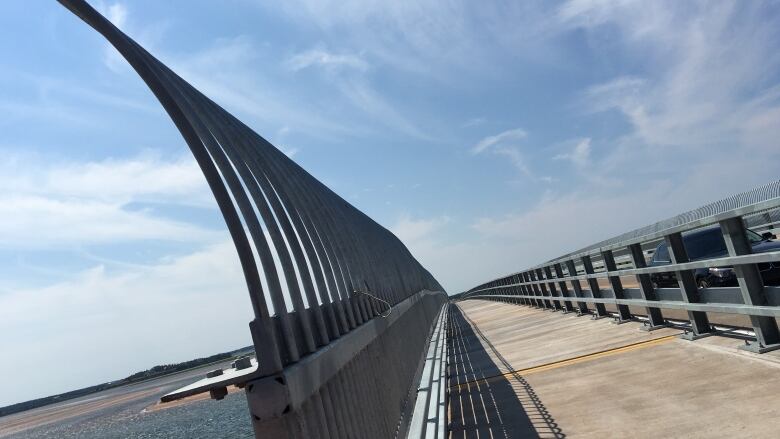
(40, 402)
(171, 368)
(154, 372)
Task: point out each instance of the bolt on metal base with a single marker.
(647, 327)
(758, 348)
(691, 336)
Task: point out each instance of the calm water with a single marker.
(228, 418)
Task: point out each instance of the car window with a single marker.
(706, 243)
(753, 236)
(661, 254)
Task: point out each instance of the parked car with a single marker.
(708, 243)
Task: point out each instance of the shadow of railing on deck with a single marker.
(488, 399)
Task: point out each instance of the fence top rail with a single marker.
(705, 263)
(751, 202)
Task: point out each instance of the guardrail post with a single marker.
(546, 294)
(537, 291)
(654, 315)
(595, 291)
(582, 307)
(518, 289)
(528, 291)
(553, 290)
(700, 324)
(543, 287)
(624, 315)
(567, 305)
(751, 285)
(510, 290)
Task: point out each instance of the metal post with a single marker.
(553, 291)
(601, 310)
(624, 315)
(751, 285)
(654, 315)
(582, 307)
(535, 288)
(567, 305)
(524, 288)
(548, 303)
(543, 287)
(700, 324)
(516, 290)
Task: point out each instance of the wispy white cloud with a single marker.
(82, 203)
(148, 35)
(290, 152)
(425, 38)
(116, 13)
(430, 239)
(506, 144)
(146, 315)
(474, 121)
(323, 58)
(364, 97)
(45, 223)
(579, 154)
(502, 137)
(146, 177)
(45, 98)
(709, 90)
(226, 72)
(711, 78)
(512, 153)
(411, 230)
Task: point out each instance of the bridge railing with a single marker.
(570, 283)
(342, 309)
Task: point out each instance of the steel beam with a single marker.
(654, 315)
(751, 285)
(582, 307)
(624, 315)
(595, 290)
(700, 325)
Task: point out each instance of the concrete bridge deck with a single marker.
(517, 371)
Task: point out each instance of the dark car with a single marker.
(708, 243)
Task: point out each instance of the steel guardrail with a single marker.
(556, 284)
(429, 418)
(342, 309)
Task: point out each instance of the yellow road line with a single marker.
(573, 360)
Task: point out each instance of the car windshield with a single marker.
(661, 254)
(705, 243)
(753, 236)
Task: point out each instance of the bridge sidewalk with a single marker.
(516, 371)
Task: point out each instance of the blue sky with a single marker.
(487, 135)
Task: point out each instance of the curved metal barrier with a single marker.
(556, 284)
(342, 309)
